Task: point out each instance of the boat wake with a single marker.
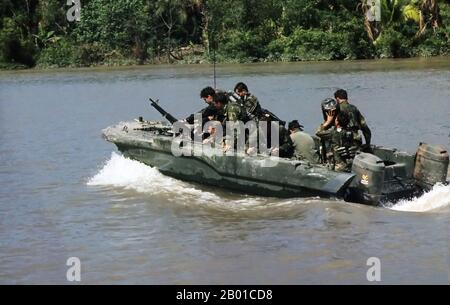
(436, 199)
(125, 173)
(121, 172)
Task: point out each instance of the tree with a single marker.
(116, 25)
(173, 15)
(429, 16)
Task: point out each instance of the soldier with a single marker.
(227, 110)
(330, 110)
(230, 110)
(303, 143)
(343, 144)
(356, 119)
(286, 145)
(249, 102)
(207, 94)
(252, 111)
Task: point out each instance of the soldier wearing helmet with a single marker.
(330, 109)
(341, 145)
(357, 120)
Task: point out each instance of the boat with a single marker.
(384, 175)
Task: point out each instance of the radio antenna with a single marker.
(214, 62)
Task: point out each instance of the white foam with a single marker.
(125, 173)
(437, 198)
(130, 174)
(121, 172)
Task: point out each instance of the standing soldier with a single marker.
(329, 110)
(356, 119)
(343, 145)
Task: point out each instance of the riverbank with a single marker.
(205, 60)
(391, 64)
(188, 32)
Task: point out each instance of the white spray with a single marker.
(437, 198)
(130, 174)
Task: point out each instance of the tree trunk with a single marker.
(429, 15)
(205, 30)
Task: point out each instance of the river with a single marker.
(65, 192)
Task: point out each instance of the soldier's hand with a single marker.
(330, 118)
(252, 151)
(275, 151)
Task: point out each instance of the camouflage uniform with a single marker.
(251, 107)
(251, 111)
(342, 148)
(357, 122)
(231, 112)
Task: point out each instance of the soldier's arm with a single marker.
(323, 133)
(365, 129)
(204, 111)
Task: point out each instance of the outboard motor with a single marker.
(431, 165)
(368, 183)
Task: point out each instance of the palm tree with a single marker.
(424, 12)
(390, 12)
(429, 15)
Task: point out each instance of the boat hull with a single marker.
(385, 175)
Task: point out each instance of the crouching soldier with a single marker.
(303, 143)
(227, 111)
(248, 102)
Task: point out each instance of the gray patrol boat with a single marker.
(383, 175)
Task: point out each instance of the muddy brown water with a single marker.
(65, 192)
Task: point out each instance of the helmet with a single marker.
(329, 104)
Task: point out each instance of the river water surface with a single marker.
(65, 192)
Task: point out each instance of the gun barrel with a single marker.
(164, 113)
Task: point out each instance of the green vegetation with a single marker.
(37, 32)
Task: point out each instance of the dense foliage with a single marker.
(37, 32)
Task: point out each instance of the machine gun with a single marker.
(266, 115)
(164, 113)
